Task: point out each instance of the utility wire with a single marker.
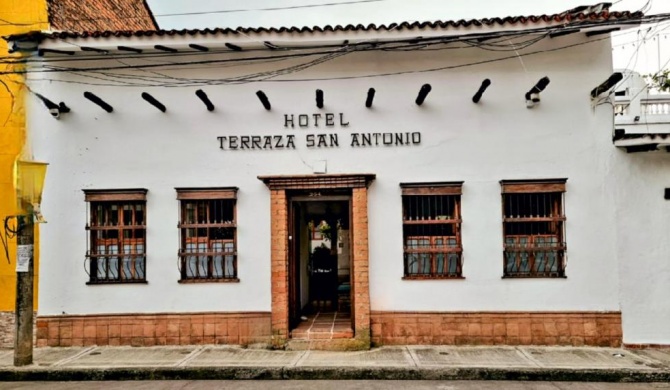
(192, 83)
(8, 23)
(662, 17)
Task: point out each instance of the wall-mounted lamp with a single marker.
(533, 96)
(607, 84)
(54, 109)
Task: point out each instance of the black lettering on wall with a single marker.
(354, 140)
(287, 120)
(366, 139)
(316, 119)
(322, 140)
(256, 142)
(334, 140)
(279, 142)
(330, 119)
(244, 142)
(376, 135)
(342, 121)
(290, 142)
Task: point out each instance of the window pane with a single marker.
(230, 267)
(202, 261)
(533, 231)
(431, 234)
(207, 237)
(191, 261)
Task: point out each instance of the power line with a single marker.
(444, 39)
(191, 82)
(8, 23)
(404, 45)
(269, 9)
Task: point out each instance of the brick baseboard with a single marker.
(154, 329)
(499, 328)
(646, 346)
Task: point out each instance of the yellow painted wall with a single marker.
(16, 16)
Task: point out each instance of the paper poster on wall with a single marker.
(23, 255)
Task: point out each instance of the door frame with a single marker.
(280, 246)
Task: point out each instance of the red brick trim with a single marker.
(333, 181)
(154, 329)
(360, 301)
(497, 328)
(279, 266)
(646, 346)
(358, 183)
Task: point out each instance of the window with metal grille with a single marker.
(534, 228)
(432, 230)
(116, 247)
(208, 231)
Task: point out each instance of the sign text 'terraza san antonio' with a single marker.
(317, 140)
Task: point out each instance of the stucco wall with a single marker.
(138, 146)
(643, 245)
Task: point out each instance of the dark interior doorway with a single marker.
(320, 265)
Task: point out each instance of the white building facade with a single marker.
(450, 221)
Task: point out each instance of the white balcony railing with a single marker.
(656, 107)
(651, 105)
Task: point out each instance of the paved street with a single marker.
(332, 385)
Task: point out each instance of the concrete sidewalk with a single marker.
(410, 362)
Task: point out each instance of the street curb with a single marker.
(329, 373)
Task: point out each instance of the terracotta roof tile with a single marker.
(565, 18)
(100, 15)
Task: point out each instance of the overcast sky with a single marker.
(276, 13)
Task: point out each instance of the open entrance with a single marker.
(320, 262)
(289, 194)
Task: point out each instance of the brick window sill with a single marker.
(115, 282)
(533, 277)
(197, 281)
(429, 277)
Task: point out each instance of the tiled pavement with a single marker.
(405, 356)
(324, 325)
(402, 362)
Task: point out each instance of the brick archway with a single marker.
(279, 222)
